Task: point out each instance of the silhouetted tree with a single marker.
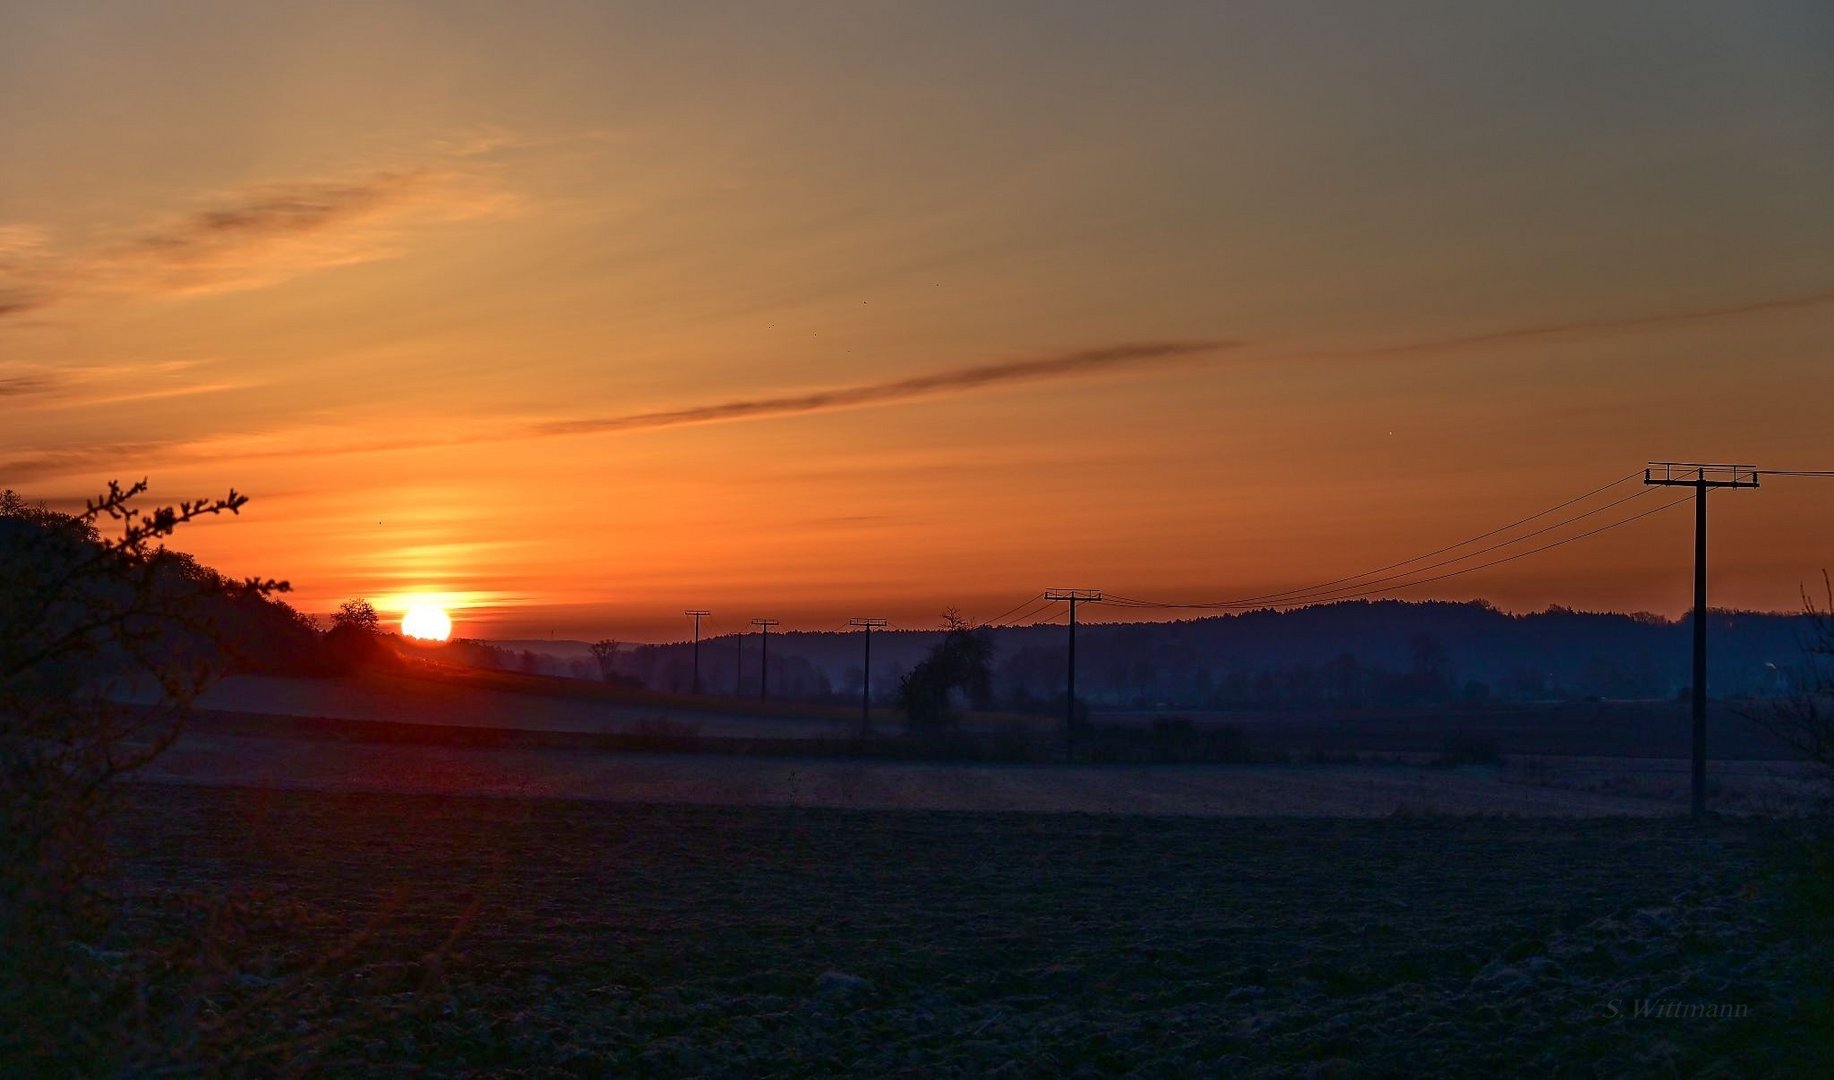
(87, 624)
(357, 616)
(1804, 720)
(605, 654)
(354, 640)
(962, 661)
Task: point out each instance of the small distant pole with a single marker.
(696, 613)
(764, 656)
(1074, 597)
(1700, 477)
(866, 675)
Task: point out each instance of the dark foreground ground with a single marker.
(382, 934)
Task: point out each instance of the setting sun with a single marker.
(427, 622)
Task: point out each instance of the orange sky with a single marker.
(574, 315)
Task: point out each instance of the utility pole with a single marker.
(866, 675)
(696, 613)
(764, 656)
(1074, 597)
(1700, 477)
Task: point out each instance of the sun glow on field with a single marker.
(427, 622)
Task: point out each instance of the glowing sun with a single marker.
(427, 622)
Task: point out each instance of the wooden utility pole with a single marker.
(764, 656)
(866, 675)
(696, 613)
(1700, 477)
(1074, 597)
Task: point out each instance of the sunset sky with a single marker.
(572, 315)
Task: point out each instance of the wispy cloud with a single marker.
(26, 385)
(250, 238)
(1583, 328)
(46, 388)
(319, 443)
(955, 380)
(124, 458)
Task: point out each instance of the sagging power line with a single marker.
(1375, 582)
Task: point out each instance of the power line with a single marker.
(1032, 611)
(1357, 592)
(1355, 582)
(1002, 617)
(1462, 543)
(1537, 550)
(1302, 594)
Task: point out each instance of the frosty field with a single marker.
(545, 937)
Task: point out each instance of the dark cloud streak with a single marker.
(1085, 362)
(25, 385)
(1591, 327)
(956, 380)
(256, 237)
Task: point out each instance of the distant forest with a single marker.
(1352, 654)
(1344, 655)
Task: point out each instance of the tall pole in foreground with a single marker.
(764, 656)
(1700, 477)
(866, 675)
(696, 613)
(1074, 596)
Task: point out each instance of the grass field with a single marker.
(535, 937)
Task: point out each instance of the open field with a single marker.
(430, 694)
(543, 937)
(1207, 790)
(377, 757)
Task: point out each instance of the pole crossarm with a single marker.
(1092, 596)
(1699, 474)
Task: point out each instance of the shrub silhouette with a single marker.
(88, 625)
(961, 661)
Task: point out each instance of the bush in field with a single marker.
(962, 662)
(87, 623)
(355, 639)
(1804, 720)
(357, 617)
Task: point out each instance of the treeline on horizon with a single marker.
(1350, 654)
(227, 627)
